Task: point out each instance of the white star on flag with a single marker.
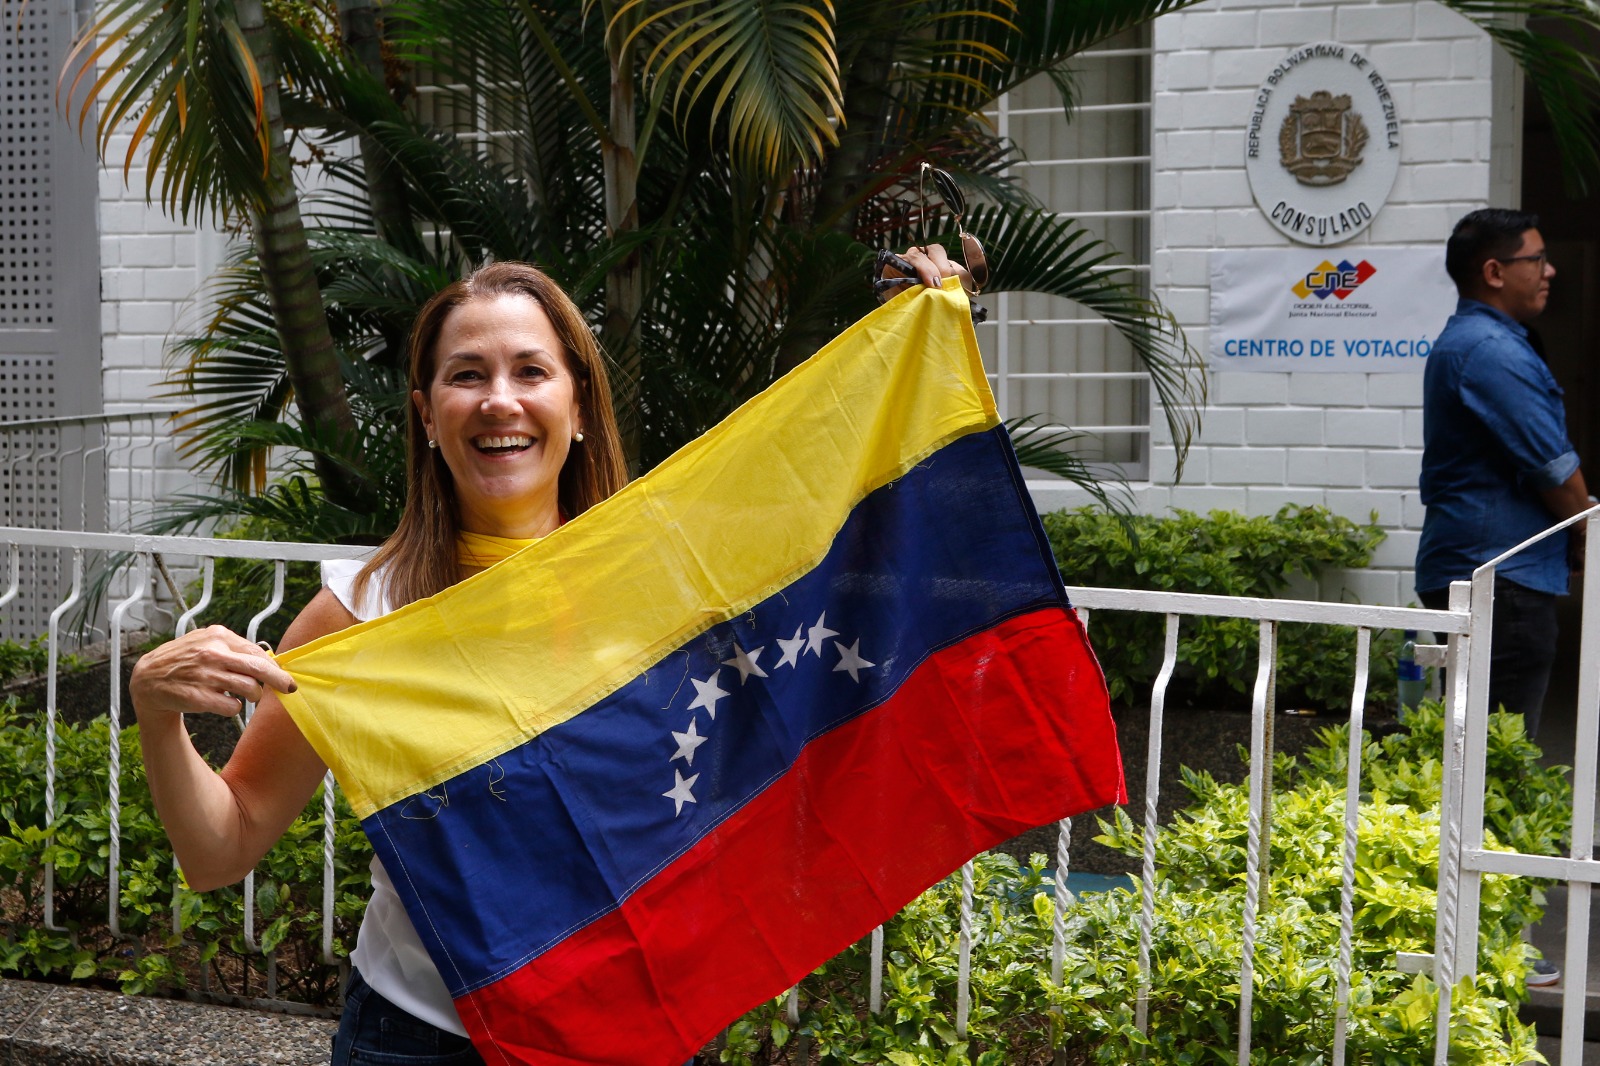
(707, 693)
(818, 633)
(745, 662)
(791, 647)
(850, 660)
(688, 742)
(680, 793)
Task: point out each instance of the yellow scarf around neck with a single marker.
(483, 550)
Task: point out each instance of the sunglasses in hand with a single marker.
(972, 254)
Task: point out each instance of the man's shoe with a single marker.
(1542, 973)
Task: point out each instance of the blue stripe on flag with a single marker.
(523, 850)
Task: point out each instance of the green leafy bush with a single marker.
(1221, 554)
(1018, 1015)
(288, 889)
(32, 659)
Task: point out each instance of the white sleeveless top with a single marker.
(388, 951)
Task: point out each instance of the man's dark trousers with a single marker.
(1522, 647)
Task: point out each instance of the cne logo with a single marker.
(1329, 280)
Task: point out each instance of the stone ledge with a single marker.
(55, 1025)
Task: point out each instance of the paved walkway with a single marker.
(53, 1025)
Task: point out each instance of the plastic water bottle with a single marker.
(1412, 684)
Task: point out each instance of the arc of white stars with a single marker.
(818, 633)
(688, 742)
(850, 660)
(707, 694)
(792, 647)
(745, 662)
(679, 793)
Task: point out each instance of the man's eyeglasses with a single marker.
(1541, 258)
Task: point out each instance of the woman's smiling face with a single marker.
(503, 407)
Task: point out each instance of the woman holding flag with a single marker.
(510, 434)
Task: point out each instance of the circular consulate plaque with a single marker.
(1322, 145)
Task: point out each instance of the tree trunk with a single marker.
(310, 357)
(868, 107)
(625, 279)
(391, 214)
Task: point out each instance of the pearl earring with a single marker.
(578, 437)
(432, 443)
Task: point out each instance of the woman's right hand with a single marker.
(212, 670)
(222, 821)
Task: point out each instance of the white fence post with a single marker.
(1152, 792)
(1586, 755)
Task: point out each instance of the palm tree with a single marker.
(203, 80)
(710, 179)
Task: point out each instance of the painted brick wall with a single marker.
(150, 268)
(1351, 442)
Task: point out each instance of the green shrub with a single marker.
(1222, 554)
(288, 881)
(32, 659)
(1017, 1014)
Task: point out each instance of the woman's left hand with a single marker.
(930, 265)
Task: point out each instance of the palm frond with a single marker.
(1053, 450)
(290, 503)
(182, 75)
(495, 60)
(1564, 75)
(768, 68)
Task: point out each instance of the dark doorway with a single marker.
(1570, 328)
(1570, 325)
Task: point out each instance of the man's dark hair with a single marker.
(1485, 234)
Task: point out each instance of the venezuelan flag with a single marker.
(641, 777)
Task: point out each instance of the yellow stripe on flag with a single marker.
(402, 703)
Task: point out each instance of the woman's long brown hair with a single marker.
(420, 556)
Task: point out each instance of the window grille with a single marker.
(1048, 356)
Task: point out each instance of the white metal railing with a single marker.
(1463, 858)
(1269, 614)
(141, 555)
(92, 461)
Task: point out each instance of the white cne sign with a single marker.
(1322, 145)
(1372, 310)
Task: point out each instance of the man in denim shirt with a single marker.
(1497, 467)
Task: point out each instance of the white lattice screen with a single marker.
(27, 260)
(49, 262)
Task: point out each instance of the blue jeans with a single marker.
(375, 1032)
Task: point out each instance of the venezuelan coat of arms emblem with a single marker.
(1321, 139)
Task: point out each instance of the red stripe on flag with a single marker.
(1003, 732)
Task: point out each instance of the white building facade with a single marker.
(1349, 441)
(1155, 162)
